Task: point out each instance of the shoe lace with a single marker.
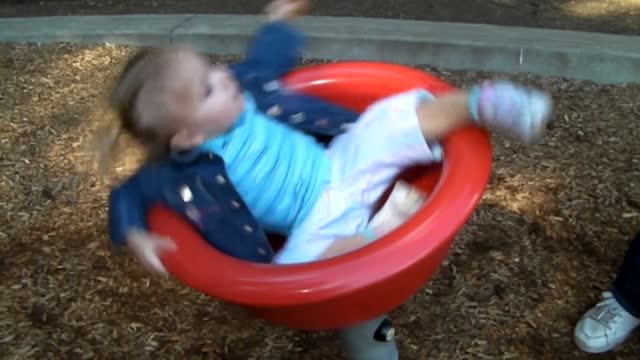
(608, 313)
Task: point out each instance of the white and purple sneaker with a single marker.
(513, 109)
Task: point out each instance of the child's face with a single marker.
(196, 100)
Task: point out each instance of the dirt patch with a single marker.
(608, 16)
(546, 239)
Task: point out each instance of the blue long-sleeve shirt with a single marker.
(195, 184)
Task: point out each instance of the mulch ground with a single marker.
(608, 16)
(546, 239)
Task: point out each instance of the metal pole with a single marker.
(370, 340)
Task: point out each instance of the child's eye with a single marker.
(208, 90)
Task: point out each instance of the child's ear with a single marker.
(184, 139)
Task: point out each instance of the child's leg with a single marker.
(403, 202)
(440, 116)
(503, 106)
(389, 136)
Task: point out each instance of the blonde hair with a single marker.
(122, 99)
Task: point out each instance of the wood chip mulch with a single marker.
(545, 241)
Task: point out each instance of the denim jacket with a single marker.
(195, 184)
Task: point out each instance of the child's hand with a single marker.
(344, 245)
(147, 248)
(403, 202)
(286, 9)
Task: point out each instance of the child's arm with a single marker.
(147, 248)
(127, 211)
(128, 227)
(286, 10)
(274, 52)
(277, 46)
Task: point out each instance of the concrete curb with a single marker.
(601, 58)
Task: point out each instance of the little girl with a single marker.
(188, 112)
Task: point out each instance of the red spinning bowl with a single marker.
(365, 283)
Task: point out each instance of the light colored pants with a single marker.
(366, 159)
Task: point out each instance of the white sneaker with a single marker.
(605, 326)
(512, 108)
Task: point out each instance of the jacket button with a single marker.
(235, 204)
(248, 228)
(220, 179)
(296, 118)
(346, 126)
(271, 86)
(322, 123)
(262, 251)
(274, 111)
(193, 213)
(185, 193)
